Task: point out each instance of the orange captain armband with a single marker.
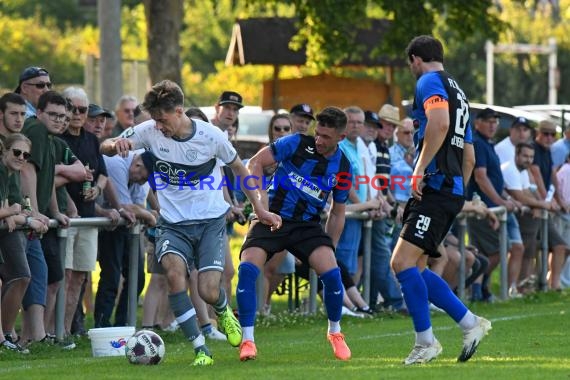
(434, 102)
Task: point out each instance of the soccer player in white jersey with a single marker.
(189, 187)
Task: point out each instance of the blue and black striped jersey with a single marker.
(304, 178)
(445, 171)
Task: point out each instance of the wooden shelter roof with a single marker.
(265, 41)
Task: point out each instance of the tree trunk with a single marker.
(110, 71)
(164, 20)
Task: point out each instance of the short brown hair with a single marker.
(333, 117)
(164, 96)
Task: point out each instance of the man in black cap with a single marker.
(227, 109)
(33, 82)
(302, 117)
(488, 183)
(520, 132)
(96, 119)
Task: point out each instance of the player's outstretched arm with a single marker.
(253, 188)
(117, 145)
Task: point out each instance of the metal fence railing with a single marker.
(134, 256)
(134, 243)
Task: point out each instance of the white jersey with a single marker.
(514, 178)
(505, 150)
(187, 175)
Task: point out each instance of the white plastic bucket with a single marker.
(110, 341)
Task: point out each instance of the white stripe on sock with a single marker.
(186, 316)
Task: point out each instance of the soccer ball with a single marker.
(145, 347)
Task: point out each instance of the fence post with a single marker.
(366, 258)
(134, 248)
(313, 281)
(544, 251)
(461, 227)
(503, 254)
(60, 297)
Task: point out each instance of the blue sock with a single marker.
(333, 292)
(416, 297)
(206, 329)
(245, 295)
(441, 296)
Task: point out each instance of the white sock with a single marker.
(247, 333)
(468, 321)
(425, 338)
(199, 341)
(334, 327)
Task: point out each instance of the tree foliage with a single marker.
(64, 12)
(59, 35)
(28, 41)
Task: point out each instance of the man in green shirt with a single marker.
(37, 178)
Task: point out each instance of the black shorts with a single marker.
(299, 238)
(50, 246)
(426, 222)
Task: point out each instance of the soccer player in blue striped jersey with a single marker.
(442, 168)
(306, 174)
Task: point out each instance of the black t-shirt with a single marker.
(543, 160)
(86, 148)
(383, 164)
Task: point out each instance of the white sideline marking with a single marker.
(454, 326)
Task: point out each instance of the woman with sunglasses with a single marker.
(14, 153)
(280, 125)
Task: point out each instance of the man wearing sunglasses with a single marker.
(405, 140)
(125, 112)
(33, 82)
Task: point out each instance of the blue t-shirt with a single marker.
(351, 152)
(559, 151)
(304, 178)
(444, 172)
(486, 157)
(401, 174)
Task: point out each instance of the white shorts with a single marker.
(81, 249)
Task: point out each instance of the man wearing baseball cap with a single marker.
(302, 117)
(33, 82)
(96, 119)
(227, 109)
(519, 132)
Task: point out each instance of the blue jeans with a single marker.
(36, 292)
(346, 251)
(114, 261)
(382, 279)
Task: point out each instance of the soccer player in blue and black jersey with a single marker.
(306, 174)
(442, 168)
